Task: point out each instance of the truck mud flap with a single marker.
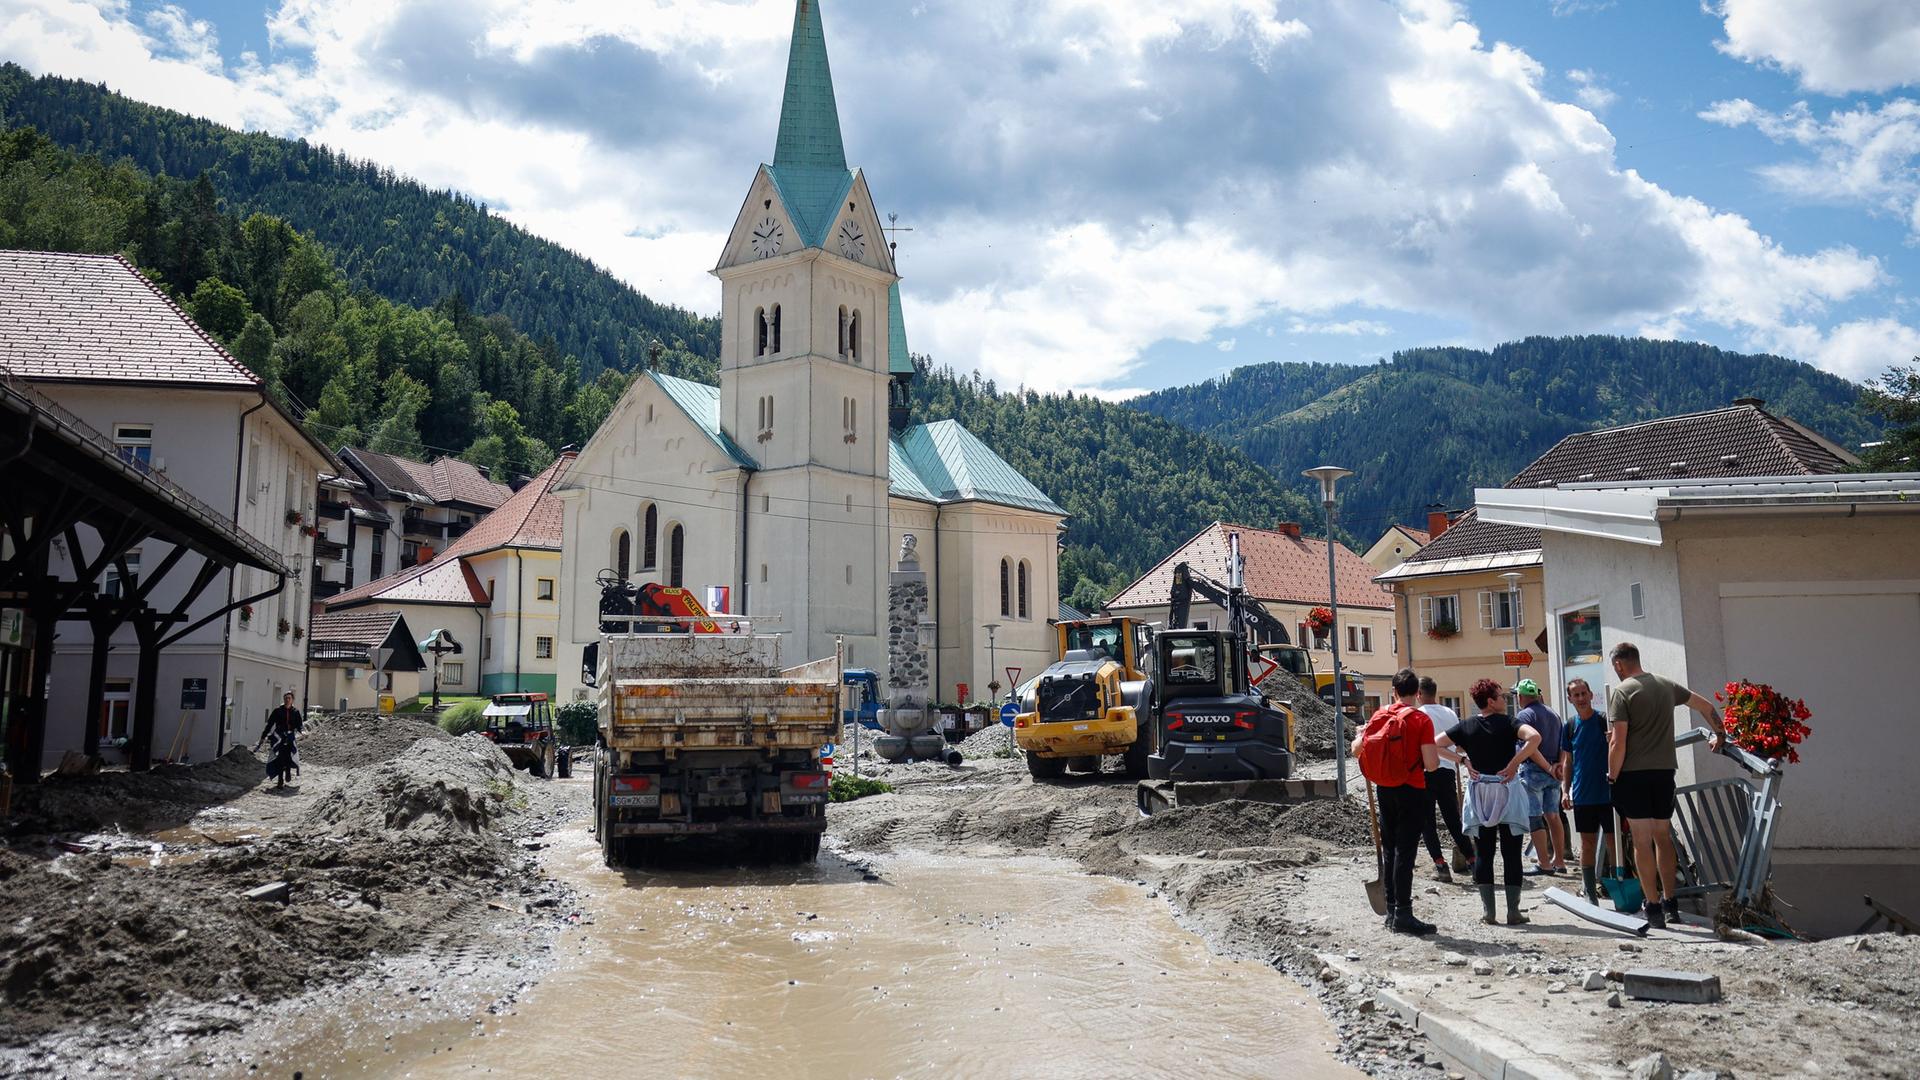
(1153, 796)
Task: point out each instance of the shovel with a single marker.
(1377, 888)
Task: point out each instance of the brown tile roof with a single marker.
(353, 627)
(1279, 567)
(1418, 536)
(1740, 440)
(95, 318)
(532, 518)
(444, 480)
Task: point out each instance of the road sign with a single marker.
(1519, 658)
(1008, 712)
(826, 752)
(193, 694)
(1013, 679)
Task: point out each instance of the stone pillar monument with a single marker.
(907, 722)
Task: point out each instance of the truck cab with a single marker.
(1207, 722)
(863, 697)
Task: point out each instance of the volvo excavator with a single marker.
(1212, 734)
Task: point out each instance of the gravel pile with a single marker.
(1337, 821)
(356, 739)
(988, 742)
(1312, 718)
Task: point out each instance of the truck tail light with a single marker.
(1243, 720)
(632, 785)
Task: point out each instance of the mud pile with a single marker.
(166, 796)
(1312, 718)
(357, 739)
(436, 785)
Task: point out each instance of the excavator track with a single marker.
(1154, 796)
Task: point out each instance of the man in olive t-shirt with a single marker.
(1641, 762)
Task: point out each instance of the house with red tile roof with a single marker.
(97, 337)
(1396, 546)
(1287, 572)
(495, 589)
(385, 512)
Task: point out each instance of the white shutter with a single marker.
(1426, 613)
(1519, 605)
(1486, 610)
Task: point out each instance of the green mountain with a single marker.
(388, 234)
(1430, 425)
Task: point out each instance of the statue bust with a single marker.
(908, 543)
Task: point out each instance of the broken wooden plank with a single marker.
(1593, 913)
(1685, 987)
(273, 891)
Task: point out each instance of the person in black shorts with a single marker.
(1583, 759)
(1641, 762)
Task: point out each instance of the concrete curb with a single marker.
(1481, 1052)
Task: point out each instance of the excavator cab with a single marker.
(1208, 723)
(1124, 641)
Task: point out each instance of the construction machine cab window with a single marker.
(1102, 640)
(1193, 661)
(1069, 698)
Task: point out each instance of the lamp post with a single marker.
(993, 684)
(1329, 477)
(1512, 578)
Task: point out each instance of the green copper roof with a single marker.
(701, 403)
(809, 119)
(899, 360)
(809, 160)
(947, 462)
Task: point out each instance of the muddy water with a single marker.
(923, 967)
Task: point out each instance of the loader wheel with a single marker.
(1136, 757)
(1046, 768)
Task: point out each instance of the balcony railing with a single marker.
(323, 590)
(458, 528)
(323, 548)
(332, 511)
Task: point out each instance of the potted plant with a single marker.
(1320, 620)
(246, 614)
(299, 632)
(285, 626)
(295, 517)
(309, 530)
(1763, 721)
(1442, 629)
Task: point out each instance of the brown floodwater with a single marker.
(924, 967)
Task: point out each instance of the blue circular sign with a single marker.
(827, 751)
(1008, 712)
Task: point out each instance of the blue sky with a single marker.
(1118, 195)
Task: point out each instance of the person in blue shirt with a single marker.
(1583, 758)
(1541, 777)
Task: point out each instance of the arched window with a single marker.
(1006, 587)
(1026, 592)
(760, 336)
(622, 553)
(677, 558)
(773, 346)
(650, 538)
(853, 337)
(843, 331)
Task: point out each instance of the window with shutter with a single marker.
(1486, 610)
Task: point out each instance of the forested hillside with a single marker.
(387, 233)
(1136, 485)
(1432, 424)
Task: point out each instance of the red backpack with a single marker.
(1389, 756)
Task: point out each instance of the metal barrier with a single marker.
(1727, 825)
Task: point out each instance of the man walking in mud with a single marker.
(283, 725)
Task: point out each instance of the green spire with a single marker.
(899, 360)
(809, 118)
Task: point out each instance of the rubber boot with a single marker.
(1591, 885)
(1440, 871)
(1488, 916)
(1404, 922)
(1389, 920)
(1656, 915)
(1514, 918)
(1673, 910)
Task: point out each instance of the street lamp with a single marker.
(1512, 578)
(993, 681)
(1330, 477)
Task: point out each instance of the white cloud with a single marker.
(1227, 345)
(1866, 156)
(1591, 89)
(1349, 328)
(1086, 178)
(1833, 46)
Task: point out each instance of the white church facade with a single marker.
(785, 491)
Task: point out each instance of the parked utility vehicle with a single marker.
(521, 725)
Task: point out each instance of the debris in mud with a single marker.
(166, 796)
(457, 784)
(1312, 718)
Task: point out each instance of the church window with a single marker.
(843, 331)
(763, 573)
(849, 573)
(649, 412)
(853, 337)
(622, 553)
(850, 419)
(677, 557)
(650, 538)
(766, 504)
(760, 335)
(773, 320)
(849, 504)
(1006, 587)
(1026, 592)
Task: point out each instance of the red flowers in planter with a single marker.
(1763, 721)
(1319, 620)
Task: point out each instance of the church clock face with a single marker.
(767, 237)
(853, 242)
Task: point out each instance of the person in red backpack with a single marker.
(1396, 751)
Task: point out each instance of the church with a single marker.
(784, 493)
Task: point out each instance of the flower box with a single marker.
(285, 627)
(1442, 630)
(1763, 721)
(295, 517)
(1320, 620)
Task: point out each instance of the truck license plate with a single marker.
(634, 800)
(1080, 727)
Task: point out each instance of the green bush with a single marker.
(467, 716)
(846, 787)
(579, 722)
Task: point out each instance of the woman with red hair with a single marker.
(1492, 746)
